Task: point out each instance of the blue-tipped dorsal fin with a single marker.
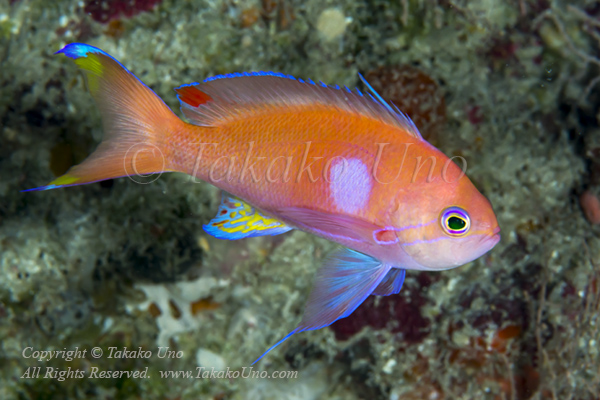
(346, 279)
(404, 119)
(237, 219)
(225, 97)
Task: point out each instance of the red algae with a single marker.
(206, 304)
(502, 336)
(104, 11)
(415, 93)
(475, 115)
(488, 359)
(591, 207)
(398, 313)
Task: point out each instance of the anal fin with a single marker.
(237, 219)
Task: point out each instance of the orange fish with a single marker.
(291, 154)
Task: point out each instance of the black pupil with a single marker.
(456, 223)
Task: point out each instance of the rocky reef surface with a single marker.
(123, 267)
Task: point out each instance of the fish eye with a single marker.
(455, 221)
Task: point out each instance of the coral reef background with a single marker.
(512, 86)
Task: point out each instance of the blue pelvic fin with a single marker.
(391, 284)
(346, 279)
(237, 220)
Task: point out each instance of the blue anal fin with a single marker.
(391, 284)
(237, 220)
(346, 279)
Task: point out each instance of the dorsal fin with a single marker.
(224, 97)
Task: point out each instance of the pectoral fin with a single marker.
(331, 225)
(237, 220)
(345, 280)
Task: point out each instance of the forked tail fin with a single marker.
(135, 122)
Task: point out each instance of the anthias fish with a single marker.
(293, 154)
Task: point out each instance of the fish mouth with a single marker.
(495, 237)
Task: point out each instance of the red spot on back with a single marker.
(192, 96)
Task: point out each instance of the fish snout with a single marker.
(494, 238)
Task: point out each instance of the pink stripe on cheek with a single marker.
(384, 236)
